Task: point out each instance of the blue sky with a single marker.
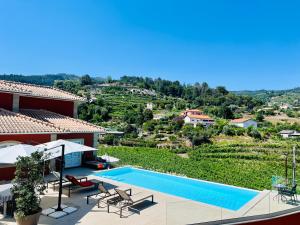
(239, 44)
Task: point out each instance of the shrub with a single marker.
(28, 184)
(229, 130)
(110, 139)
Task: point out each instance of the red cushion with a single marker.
(72, 179)
(100, 166)
(87, 183)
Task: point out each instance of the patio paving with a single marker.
(167, 210)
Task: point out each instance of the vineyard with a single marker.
(250, 166)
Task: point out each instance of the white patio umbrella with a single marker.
(10, 154)
(109, 159)
(53, 149)
(60, 148)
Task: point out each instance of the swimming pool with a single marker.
(229, 197)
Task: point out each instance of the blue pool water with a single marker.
(224, 196)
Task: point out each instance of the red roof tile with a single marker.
(16, 123)
(204, 117)
(37, 91)
(40, 121)
(62, 122)
(240, 120)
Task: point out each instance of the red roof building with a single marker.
(33, 114)
(244, 122)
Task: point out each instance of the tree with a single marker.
(229, 130)
(259, 116)
(226, 112)
(72, 86)
(110, 139)
(222, 90)
(202, 138)
(86, 80)
(253, 132)
(148, 115)
(149, 125)
(109, 79)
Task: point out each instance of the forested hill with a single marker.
(267, 92)
(279, 96)
(47, 79)
(199, 94)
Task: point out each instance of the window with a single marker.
(74, 159)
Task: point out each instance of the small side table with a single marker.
(278, 187)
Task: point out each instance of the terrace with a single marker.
(167, 209)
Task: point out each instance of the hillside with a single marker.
(275, 97)
(47, 79)
(148, 110)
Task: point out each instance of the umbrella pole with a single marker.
(61, 177)
(294, 165)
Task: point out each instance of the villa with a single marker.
(195, 116)
(32, 114)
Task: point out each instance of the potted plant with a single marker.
(27, 186)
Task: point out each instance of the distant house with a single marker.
(149, 106)
(244, 122)
(285, 106)
(198, 119)
(289, 133)
(191, 112)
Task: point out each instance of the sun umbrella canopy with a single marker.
(110, 159)
(53, 149)
(10, 154)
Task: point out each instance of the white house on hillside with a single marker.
(149, 106)
(198, 119)
(244, 122)
(289, 133)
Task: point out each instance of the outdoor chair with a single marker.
(126, 201)
(292, 193)
(78, 185)
(55, 181)
(104, 193)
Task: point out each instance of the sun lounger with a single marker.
(104, 193)
(55, 181)
(78, 185)
(94, 164)
(127, 200)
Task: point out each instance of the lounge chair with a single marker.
(104, 193)
(292, 193)
(55, 181)
(93, 162)
(76, 184)
(127, 201)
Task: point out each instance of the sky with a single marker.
(243, 45)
